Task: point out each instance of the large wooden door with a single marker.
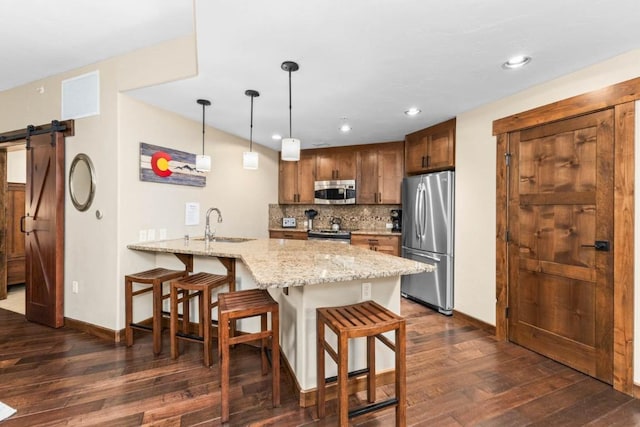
(44, 227)
(561, 233)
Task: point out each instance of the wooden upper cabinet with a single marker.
(380, 170)
(295, 180)
(336, 163)
(431, 149)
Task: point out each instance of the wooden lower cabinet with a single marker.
(378, 242)
(294, 235)
(15, 238)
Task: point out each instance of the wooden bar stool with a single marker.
(366, 319)
(154, 279)
(241, 305)
(199, 286)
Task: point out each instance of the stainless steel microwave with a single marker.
(341, 192)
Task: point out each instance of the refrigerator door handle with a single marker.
(416, 216)
(431, 257)
(423, 217)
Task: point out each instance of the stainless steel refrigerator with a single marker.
(427, 236)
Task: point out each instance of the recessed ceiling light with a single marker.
(276, 137)
(516, 62)
(345, 128)
(413, 111)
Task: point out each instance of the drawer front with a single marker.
(294, 235)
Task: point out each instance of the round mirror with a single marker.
(82, 182)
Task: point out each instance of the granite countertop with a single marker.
(278, 263)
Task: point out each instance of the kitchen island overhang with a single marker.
(314, 274)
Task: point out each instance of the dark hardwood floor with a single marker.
(458, 375)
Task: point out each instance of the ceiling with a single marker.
(364, 60)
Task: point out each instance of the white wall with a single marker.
(95, 249)
(17, 165)
(476, 184)
(243, 196)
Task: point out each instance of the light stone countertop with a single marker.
(278, 263)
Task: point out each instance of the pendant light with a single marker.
(203, 163)
(249, 158)
(290, 150)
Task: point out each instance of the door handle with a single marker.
(599, 245)
(22, 223)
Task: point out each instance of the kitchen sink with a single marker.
(226, 239)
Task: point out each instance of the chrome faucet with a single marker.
(208, 234)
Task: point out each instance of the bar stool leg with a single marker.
(128, 316)
(343, 378)
(371, 366)
(401, 376)
(173, 326)
(263, 345)
(223, 334)
(205, 315)
(275, 355)
(157, 317)
(320, 375)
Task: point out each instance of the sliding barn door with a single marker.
(560, 255)
(44, 227)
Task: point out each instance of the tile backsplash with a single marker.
(354, 217)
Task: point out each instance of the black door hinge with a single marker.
(506, 312)
(507, 159)
(507, 236)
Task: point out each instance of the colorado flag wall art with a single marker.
(161, 164)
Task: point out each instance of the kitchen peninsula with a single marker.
(303, 275)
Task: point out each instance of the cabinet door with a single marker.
(296, 179)
(345, 164)
(367, 177)
(306, 177)
(325, 166)
(440, 150)
(332, 164)
(287, 182)
(390, 174)
(431, 149)
(415, 153)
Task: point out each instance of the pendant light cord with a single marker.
(251, 128)
(289, 103)
(203, 107)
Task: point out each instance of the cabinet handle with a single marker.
(428, 161)
(422, 164)
(379, 197)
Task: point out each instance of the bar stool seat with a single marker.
(366, 319)
(198, 285)
(154, 279)
(241, 305)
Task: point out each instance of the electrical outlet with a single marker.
(143, 236)
(74, 286)
(151, 234)
(389, 225)
(366, 291)
(163, 234)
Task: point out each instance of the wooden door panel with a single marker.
(44, 243)
(560, 291)
(558, 306)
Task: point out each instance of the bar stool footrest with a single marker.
(373, 407)
(351, 374)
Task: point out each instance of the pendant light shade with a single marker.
(203, 162)
(249, 158)
(290, 150)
